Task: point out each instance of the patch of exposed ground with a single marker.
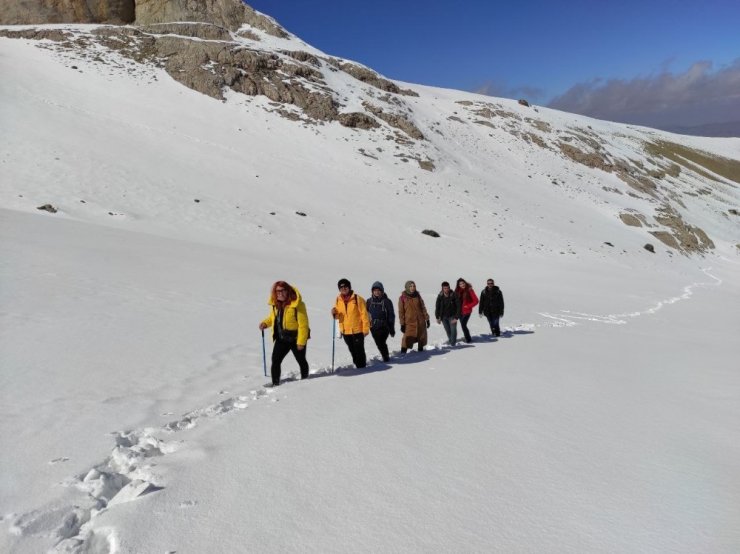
(705, 164)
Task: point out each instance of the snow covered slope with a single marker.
(604, 420)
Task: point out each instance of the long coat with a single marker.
(413, 314)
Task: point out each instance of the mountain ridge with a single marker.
(661, 175)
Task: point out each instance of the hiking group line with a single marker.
(375, 316)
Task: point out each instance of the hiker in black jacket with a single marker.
(492, 306)
(382, 318)
(447, 312)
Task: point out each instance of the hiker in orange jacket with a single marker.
(350, 310)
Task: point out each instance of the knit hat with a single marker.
(407, 286)
(344, 282)
(377, 285)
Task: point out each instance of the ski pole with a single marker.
(264, 356)
(333, 341)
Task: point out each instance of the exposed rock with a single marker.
(205, 31)
(395, 120)
(358, 120)
(29, 12)
(371, 78)
(688, 238)
(455, 118)
(649, 247)
(55, 35)
(733, 211)
(230, 14)
(589, 159)
(631, 220)
(430, 232)
(302, 56)
(48, 208)
(426, 164)
(486, 123)
(666, 238)
(523, 102)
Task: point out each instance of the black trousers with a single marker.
(279, 350)
(380, 336)
(356, 345)
(464, 324)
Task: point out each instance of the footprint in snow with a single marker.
(188, 503)
(58, 460)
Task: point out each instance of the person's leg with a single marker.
(496, 326)
(359, 356)
(492, 322)
(279, 350)
(464, 324)
(448, 329)
(300, 357)
(380, 336)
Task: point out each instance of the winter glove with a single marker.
(403, 328)
(428, 324)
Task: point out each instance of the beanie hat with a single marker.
(344, 282)
(408, 284)
(377, 285)
(445, 284)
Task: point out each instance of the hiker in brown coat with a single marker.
(413, 317)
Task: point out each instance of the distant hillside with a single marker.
(439, 144)
(727, 129)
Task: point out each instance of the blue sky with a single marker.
(537, 49)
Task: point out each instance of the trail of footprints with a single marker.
(126, 474)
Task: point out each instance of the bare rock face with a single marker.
(230, 14)
(19, 12)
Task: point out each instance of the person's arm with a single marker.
(302, 317)
(391, 316)
(268, 321)
(401, 314)
(438, 308)
(482, 300)
(364, 319)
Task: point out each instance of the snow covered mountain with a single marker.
(186, 161)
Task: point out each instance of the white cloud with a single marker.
(698, 95)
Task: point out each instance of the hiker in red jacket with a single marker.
(468, 301)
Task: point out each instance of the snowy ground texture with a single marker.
(134, 417)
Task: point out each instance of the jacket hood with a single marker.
(377, 285)
(294, 303)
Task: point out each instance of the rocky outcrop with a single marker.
(19, 12)
(230, 14)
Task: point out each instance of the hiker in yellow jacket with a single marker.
(289, 321)
(350, 310)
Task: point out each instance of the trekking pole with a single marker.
(264, 356)
(333, 341)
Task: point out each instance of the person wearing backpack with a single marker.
(350, 311)
(382, 318)
(290, 333)
(413, 317)
(447, 312)
(492, 306)
(468, 301)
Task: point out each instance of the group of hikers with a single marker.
(358, 317)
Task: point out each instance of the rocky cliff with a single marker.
(230, 14)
